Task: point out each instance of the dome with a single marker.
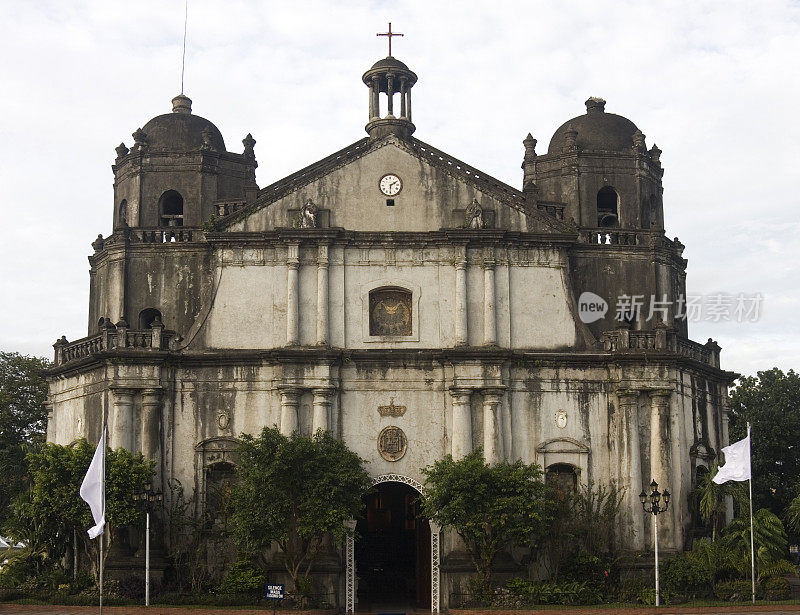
(596, 131)
(182, 131)
(389, 62)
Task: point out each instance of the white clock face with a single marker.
(390, 184)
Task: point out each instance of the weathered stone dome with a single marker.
(596, 131)
(389, 62)
(180, 131)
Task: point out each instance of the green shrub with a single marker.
(734, 591)
(647, 596)
(529, 593)
(686, 575)
(242, 578)
(776, 588)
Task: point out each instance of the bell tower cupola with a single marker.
(394, 79)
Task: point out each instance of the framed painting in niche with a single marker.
(390, 312)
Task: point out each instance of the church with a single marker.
(408, 303)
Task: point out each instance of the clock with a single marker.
(390, 184)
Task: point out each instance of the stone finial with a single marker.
(139, 139)
(679, 247)
(655, 154)
(181, 104)
(530, 145)
(97, 244)
(639, 140)
(249, 144)
(122, 323)
(595, 105)
(529, 163)
(121, 150)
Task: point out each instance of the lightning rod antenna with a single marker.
(185, 21)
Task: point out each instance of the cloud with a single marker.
(713, 84)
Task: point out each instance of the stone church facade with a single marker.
(405, 301)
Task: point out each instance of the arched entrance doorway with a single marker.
(394, 562)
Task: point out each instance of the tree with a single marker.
(771, 403)
(293, 491)
(488, 506)
(769, 537)
(712, 498)
(23, 417)
(46, 515)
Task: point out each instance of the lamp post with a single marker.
(651, 503)
(149, 499)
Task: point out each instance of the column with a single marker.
(290, 399)
(659, 452)
(293, 295)
(322, 295)
(461, 445)
(376, 99)
(371, 102)
(462, 333)
(489, 314)
(408, 106)
(390, 93)
(322, 408)
(151, 420)
(629, 463)
(491, 425)
(402, 97)
(120, 428)
(659, 436)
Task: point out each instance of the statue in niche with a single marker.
(308, 215)
(474, 215)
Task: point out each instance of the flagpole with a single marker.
(103, 535)
(752, 543)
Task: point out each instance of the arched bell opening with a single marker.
(607, 208)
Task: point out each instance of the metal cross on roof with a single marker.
(390, 34)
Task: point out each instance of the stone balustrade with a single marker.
(173, 234)
(615, 237)
(225, 208)
(554, 209)
(661, 339)
(112, 338)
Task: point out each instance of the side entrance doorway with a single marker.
(393, 550)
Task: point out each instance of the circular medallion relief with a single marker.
(561, 419)
(392, 443)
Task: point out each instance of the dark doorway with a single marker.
(393, 550)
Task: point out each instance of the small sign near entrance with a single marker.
(273, 592)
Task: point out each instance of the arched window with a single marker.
(562, 477)
(170, 207)
(607, 207)
(147, 317)
(390, 312)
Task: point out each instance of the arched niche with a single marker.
(565, 451)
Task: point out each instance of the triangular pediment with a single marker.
(436, 190)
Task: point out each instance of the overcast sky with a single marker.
(715, 84)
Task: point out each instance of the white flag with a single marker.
(737, 461)
(92, 488)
